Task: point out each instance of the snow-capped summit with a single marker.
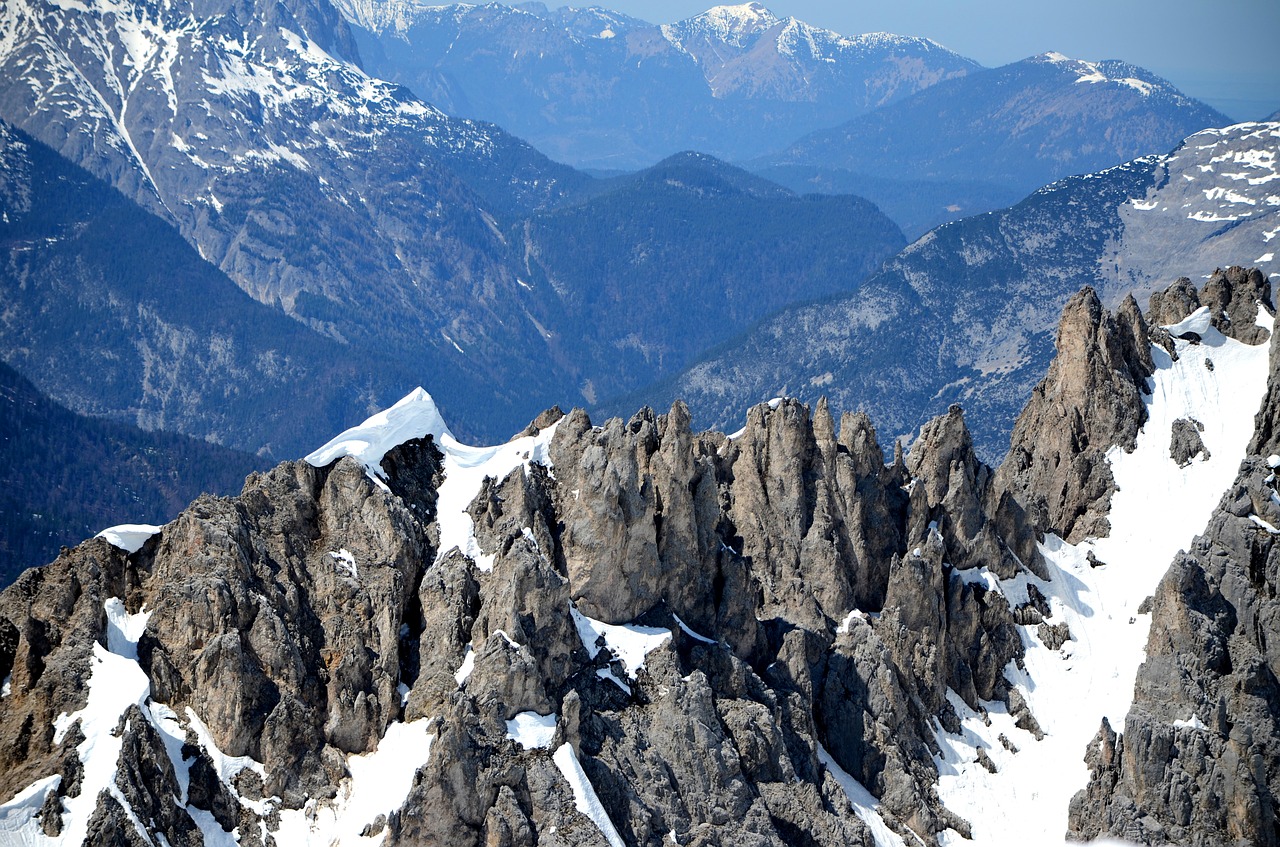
(1113, 72)
(634, 92)
(748, 51)
(737, 26)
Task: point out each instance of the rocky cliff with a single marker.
(621, 634)
(1199, 758)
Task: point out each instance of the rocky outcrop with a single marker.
(1232, 297)
(1199, 759)
(1090, 400)
(1186, 443)
(647, 631)
(799, 594)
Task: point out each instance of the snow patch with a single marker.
(532, 731)
(465, 468)
(584, 796)
(124, 629)
(1200, 322)
(685, 629)
(345, 562)
(629, 643)
(864, 803)
(379, 784)
(463, 673)
(129, 537)
(415, 416)
(607, 673)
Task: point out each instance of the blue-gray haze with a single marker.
(1224, 52)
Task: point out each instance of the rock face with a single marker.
(1090, 400)
(798, 594)
(1199, 760)
(629, 634)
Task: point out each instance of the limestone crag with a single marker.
(1093, 396)
(648, 634)
(1199, 759)
(803, 591)
(1090, 400)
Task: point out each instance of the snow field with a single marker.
(1156, 511)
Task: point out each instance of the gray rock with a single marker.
(1185, 443)
(1090, 400)
(1199, 761)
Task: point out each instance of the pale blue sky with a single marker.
(1225, 52)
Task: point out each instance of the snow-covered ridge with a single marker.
(1110, 71)
(1157, 510)
(235, 99)
(465, 467)
(741, 26)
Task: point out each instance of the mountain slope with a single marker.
(1016, 127)
(675, 259)
(984, 292)
(598, 89)
(635, 634)
(109, 312)
(63, 477)
(356, 208)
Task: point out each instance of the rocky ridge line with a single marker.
(791, 596)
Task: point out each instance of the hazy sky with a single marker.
(1225, 52)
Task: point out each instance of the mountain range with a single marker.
(928, 135)
(597, 89)
(638, 634)
(359, 211)
(995, 133)
(1039, 602)
(966, 313)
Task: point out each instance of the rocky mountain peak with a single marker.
(1090, 401)
(1095, 396)
(603, 634)
(737, 26)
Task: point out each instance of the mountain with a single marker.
(966, 313)
(364, 215)
(343, 200)
(63, 477)
(635, 634)
(111, 313)
(598, 89)
(1016, 127)
(679, 257)
(179, 347)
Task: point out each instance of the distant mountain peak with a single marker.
(1107, 71)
